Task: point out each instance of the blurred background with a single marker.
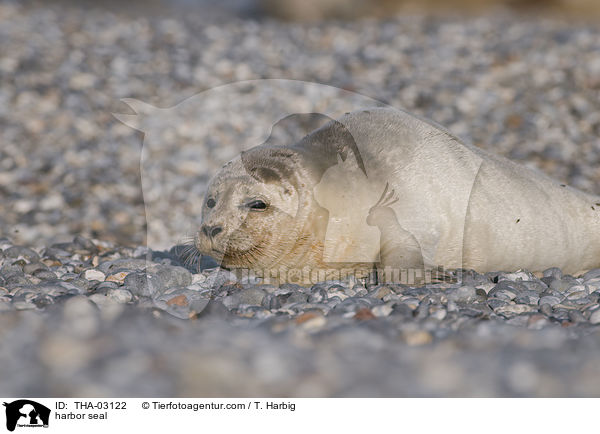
(315, 10)
(521, 78)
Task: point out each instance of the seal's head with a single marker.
(259, 212)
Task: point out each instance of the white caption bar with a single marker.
(276, 415)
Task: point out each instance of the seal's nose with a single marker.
(211, 231)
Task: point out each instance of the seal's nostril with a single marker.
(211, 231)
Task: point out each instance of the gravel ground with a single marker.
(85, 318)
(110, 317)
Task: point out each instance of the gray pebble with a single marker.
(552, 293)
(577, 288)
(554, 272)
(83, 284)
(33, 267)
(318, 296)
(120, 295)
(563, 285)
(252, 297)
(382, 310)
(45, 275)
(94, 275)
(592, 274)
(169, 276)
(514, 309)
(402, 310)
(381, 291)
(271, 301)
(576, 316)
(560, 314)
(547, 280)
(109, 267)
(137, 284)
(577, 295)
(42, 300)
(85, 244)
(528, 297)
(480, 295)
(24, 301)
(297, 298)
(69, 276)
(217, 278)
(181, 303)
(578, 300)
(56, 253)
(103, 287)
(7, 271)
(437, 312)
(593, 284)
(351, 305)
(476, 310)
(506, 290)
(422, 310)
(360, 291)
(57, 288)
(546, 309)
(595, 317)
(23, 252)
(495, 303)
(549, 300)
(464, 294)
(535, 285)
(16, 281)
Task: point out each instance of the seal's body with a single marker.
(424, 198)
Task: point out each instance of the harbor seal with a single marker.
(424, 198)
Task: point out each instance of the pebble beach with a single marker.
(88, 308)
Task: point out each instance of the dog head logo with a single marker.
(26, 413)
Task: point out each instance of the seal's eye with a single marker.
(210, 203)
(257, 205)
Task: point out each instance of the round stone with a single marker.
(595, 317)
(94, 275)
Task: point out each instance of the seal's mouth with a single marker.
(224, 253)
(207, 246)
